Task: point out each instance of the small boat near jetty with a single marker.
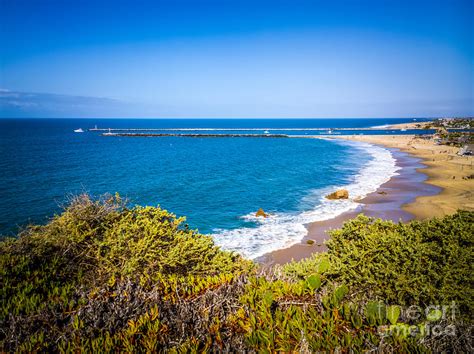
(78, 130)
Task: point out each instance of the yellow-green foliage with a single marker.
(103, 277)
(56, 269)
(424, 263)
(421, 262)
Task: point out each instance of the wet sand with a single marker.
(444, 168)
(433, 182)
(385, 203)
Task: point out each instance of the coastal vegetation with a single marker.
(104, 276)
(453, 123)
(455, 138)
(459, 133)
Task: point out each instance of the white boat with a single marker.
(78, 130)
(329, 131)
(403, 130)
(266, 132)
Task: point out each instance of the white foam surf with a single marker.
(282, 230)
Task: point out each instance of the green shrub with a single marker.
(104, 277)
(422, 262)
(52, 272)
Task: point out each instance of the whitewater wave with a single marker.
(282, 230)
(385, 126)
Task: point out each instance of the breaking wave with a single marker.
(282, 230)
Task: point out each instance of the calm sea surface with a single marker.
(217, 183)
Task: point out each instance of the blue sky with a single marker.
(229, 58)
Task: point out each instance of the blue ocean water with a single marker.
(217, 183)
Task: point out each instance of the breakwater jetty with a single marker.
(151, 135)
(227, 129)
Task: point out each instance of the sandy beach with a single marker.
(444, 168)
(440, 189)
(412, 125)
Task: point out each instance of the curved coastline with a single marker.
(281, 231)
(444, 168)
(387, 202)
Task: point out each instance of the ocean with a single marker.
(218, 184)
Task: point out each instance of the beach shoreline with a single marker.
(443, 167)
(412, 125)
(424, 187)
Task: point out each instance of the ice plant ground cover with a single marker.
(103, 276)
